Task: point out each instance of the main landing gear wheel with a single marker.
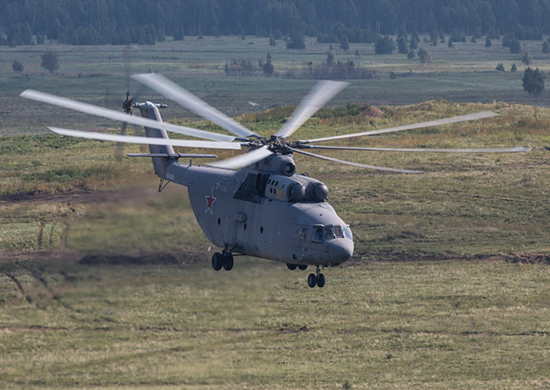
(316, 280)
(217, 261)
(311, 280)
(292, 267)
(224, 261)
(228, 261)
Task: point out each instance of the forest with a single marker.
(90, 22)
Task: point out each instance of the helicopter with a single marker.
(254, 204)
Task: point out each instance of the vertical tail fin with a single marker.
(151, 111)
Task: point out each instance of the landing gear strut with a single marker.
(222, 260)
(316, 279)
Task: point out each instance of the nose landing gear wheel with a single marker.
(320, 280)
(316, 280)
(291, 267)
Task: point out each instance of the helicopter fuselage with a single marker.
(250, 212)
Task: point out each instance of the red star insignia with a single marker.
(210, 199)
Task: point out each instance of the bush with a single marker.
(384, 45)
(50, 60)
(533, 81)
(17, 66)
(515, 46)
(344, 43)
(425, 56)
(527, 58)
(296, 40)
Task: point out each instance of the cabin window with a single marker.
(303, 234)
(318, 234)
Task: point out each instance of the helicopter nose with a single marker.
(339, 250)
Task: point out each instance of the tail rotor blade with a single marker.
(119, 154)
(320, 95)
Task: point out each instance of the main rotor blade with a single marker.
(488, 150)
(320, 95)
(355, 164)
(120, 116)
(244, 159)
(446, 121)
(186, 99)
(146, 140)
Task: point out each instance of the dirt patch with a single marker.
(373, 112)
(530, 259)
(86, 197)
(160, 258)
(185, 256)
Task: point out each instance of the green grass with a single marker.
(163, 319)
(444, 325)
(464, 205)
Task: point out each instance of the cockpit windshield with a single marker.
(333, 231)
(322, 233)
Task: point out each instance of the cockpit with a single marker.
(323, 233)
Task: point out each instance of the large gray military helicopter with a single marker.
(253, 204)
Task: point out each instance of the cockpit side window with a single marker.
(317, 234)
(347, 232)
(303, 234)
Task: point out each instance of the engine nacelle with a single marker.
(284, 188)
(297, 188)
(316, 191)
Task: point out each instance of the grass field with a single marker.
(96, 74)
(105, 283)
(381, 325)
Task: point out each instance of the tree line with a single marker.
(86, 22)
